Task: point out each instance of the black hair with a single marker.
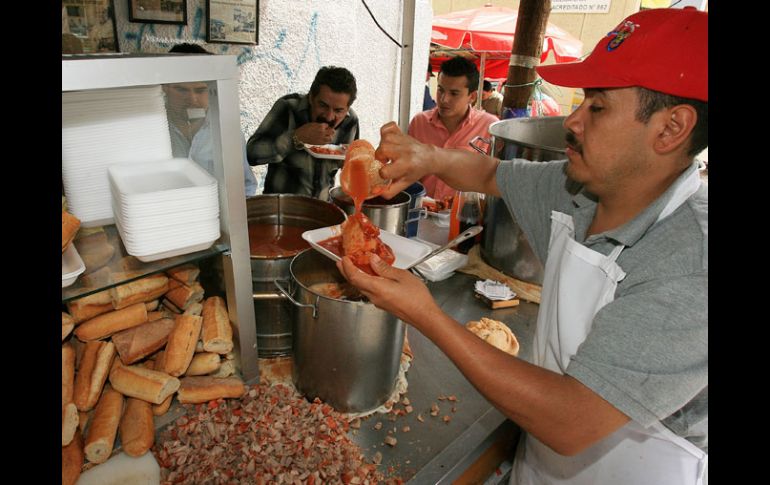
(339, 80)
(460, 66)
(487, 86)
(187, 48)
(652, 101)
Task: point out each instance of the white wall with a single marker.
(298, 37)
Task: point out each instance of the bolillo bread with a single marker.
(217, 334)
(95, 249)
(141, 290)
(90, 306)
(69, 412)
(69, 227)
(183, 296)
(135, 343)
(100, 437)
(137, 430)
(158, 363)
(206, 388)
(92, 373)
(72, 460)
(203, 363)
(181, 344)
(186, 274)
(67, 324)
(495, 333)
(136, 381)
(108, 323)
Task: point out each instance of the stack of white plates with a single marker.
(164, 209)
(72, 266)
(107, 127)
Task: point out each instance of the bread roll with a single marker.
(226, 369)
(69, 227)
(194, 309)
(184, 295)
(136, 381)
(69, 412)
(90, 306)
(104, 426)
(109, 323)
(203, 363)
(72, 460)
(186, 274)
(138, 342)
(151, 306)
(137, 431)
(181, 344)
(158, 363)
(92, 373)
(172, 283)
(69, 423)
(67, 373)
(67, 324)
(217, 334)
(206, 388)
(170, 307)
(495, 333)
(141, 290)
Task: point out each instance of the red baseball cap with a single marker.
(663, 49)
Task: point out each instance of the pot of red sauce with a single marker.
(390, 215)
(276, 223)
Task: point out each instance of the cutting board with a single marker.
(122, 469)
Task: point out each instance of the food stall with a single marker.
(118, 289)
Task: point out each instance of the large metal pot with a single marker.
(503, 243)
(346, 353)
(389, 215)
(274, 314)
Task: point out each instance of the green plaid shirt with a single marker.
(293, 171)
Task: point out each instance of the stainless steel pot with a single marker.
(389, 215)
(274, 315)
(503, 243)
(346, 353)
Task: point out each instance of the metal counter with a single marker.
(434, 451)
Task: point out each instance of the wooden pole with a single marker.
(525, 54)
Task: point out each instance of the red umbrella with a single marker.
(491, 30)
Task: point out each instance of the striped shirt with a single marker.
(291, 170)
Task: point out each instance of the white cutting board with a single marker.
(122, 469)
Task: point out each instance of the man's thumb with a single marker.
(380, 267)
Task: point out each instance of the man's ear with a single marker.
(474, 96)
(677, 125)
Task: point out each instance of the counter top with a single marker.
(434, 451)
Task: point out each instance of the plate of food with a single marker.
(328, 241)
(332, 152)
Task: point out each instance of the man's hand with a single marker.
(315, 133)
(394, 290)
(410, 159)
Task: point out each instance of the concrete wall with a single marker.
(589, 28)
(296, 38)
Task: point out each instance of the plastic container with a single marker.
(417, 192)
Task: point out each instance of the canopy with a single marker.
(490, 30)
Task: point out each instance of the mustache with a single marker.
(321, 120)
(573, 142)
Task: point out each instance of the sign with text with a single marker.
(580, 6)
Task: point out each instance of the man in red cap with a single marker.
(617, 388)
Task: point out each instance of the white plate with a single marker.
(342, 148)
(407, 251)
(162, 180)
(72, 266)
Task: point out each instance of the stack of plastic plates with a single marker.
(107, 127)
(164, 209)
(72, 266)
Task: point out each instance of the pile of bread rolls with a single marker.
(127, 351)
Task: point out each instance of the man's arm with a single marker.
(271, 143)
(556, 409)
(411, 160)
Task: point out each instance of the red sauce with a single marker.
(276, 240)
(358, 182)
(333, 244)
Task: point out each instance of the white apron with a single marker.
(578, 282)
